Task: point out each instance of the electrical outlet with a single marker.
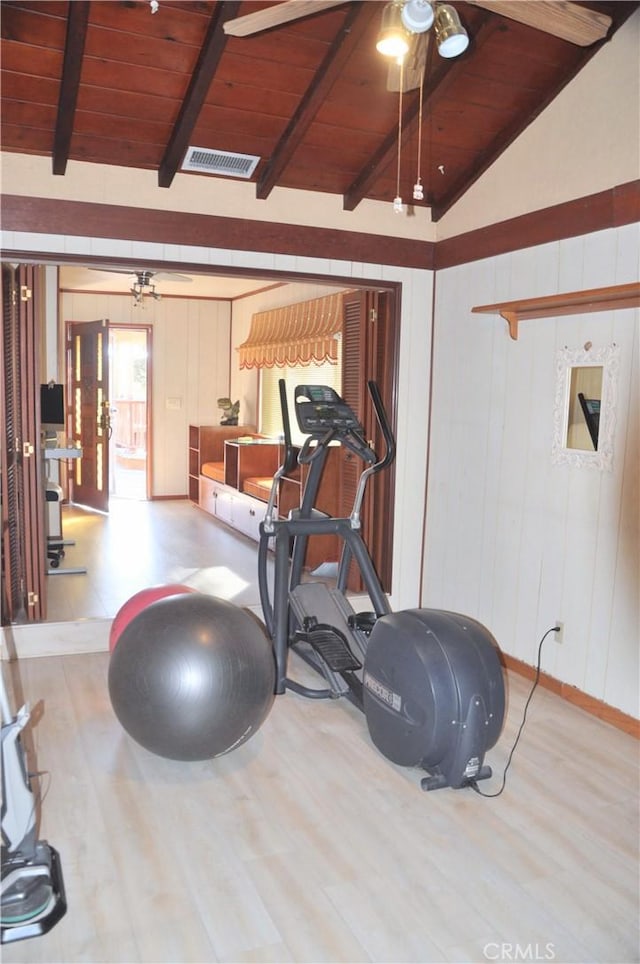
(559, 634)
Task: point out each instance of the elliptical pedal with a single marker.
(330, 644)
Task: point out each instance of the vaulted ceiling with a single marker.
(115, 83)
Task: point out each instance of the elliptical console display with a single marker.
(319, 408)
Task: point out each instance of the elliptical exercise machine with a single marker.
(429, 682)
(33, 897)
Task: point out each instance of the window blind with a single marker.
(270, 413)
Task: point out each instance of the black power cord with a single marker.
(473, 783)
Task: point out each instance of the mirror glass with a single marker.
(585, 396)
(585, 406)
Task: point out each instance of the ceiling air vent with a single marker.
(219, 162)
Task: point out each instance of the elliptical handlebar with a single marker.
(385, 427)
(288, 463)
(289, 452)
(378, 464)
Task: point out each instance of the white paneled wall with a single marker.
(512, 539)
(190, 369)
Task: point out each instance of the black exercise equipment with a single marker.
(429, 682)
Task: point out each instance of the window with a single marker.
(312, 374)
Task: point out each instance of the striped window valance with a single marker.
(295, 334)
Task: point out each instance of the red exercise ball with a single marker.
(137, 603)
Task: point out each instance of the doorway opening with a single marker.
(129, 391)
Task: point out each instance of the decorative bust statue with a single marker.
(230, 411)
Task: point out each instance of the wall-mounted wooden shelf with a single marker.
(571, 303)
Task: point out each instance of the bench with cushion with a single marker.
(212, 439)
(258, 487)
(213, 470)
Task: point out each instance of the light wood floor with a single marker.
(141, 544)
(305, 844)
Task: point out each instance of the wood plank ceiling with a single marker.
(113, 83)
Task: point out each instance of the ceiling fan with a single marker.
(407, 22)
(561, 18)
(144, 284)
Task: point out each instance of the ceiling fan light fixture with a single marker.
(417, 15)
(143, 287)
(393, 39)
(451, 36)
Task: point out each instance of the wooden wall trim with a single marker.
(52, 216)
(608, 209)
(604, 712)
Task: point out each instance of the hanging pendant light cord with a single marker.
(400, 126)
(420, 126)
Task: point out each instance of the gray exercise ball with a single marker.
(192, 677)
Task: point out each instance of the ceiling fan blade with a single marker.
(145, 275)
(276, 15)
(414, 64)
(170, 276)
(568, 21)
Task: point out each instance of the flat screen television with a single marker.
(52, 409)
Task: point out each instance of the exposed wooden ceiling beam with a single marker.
(507, 136)
(443, 76)
(77, 23)
(336, 57)
(208, 60)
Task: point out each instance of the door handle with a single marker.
(105, 419)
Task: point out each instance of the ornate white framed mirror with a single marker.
(584, 411)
